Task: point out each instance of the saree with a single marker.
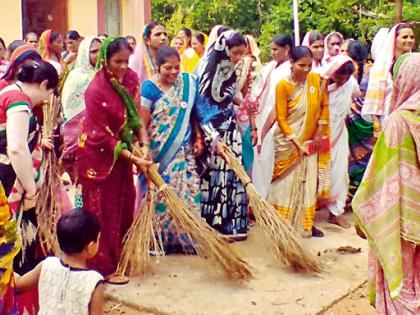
(298, 111)
(170, 130)
(387, 204)
(263, 89)
(45, 50)
(340, 100)
(106, 179)
(10, 244)
(361, 141)
(73, 104)
(378, 95)
(223, 197)
(142, 62)
(306, 42)
(327, 55)
(189, 60)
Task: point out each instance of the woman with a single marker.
(104, 160)
(73, 100)
(143, 62)
(191, 56)
(20, 136)
(245, 72)
(223, 199)
(400, 40)
(387, 205)
(342, 88)
(263, 92)
(186, 34)
(361, 138)
(303, 119)
(72, 42)
(332, 44)
(50, 48)
(132, 42)
(22, 55)
(315, 41)
(179, 44)
(168, 101)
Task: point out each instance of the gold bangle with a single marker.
(322, 122)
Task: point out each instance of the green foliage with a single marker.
(266, 18)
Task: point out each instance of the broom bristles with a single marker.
(139, 240)
(288, 245)
(206, 241)
(48, 207)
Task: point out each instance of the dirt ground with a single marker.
(356, 303)
(188, 285)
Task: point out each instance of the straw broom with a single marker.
(48, 206)
(206, 241)
(139, 240)
(288, 246)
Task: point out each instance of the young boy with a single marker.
(65, 285)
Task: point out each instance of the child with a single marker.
(65, 285)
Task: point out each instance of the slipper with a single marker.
(117, 279)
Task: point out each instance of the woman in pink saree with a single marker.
(387, 204)
(104, 160)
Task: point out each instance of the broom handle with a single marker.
(243, 176)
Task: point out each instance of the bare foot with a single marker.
(339, 220)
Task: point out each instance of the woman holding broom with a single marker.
(105, 163)
(300, 147)
(168, 101)
(223, 197)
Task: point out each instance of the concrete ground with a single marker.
(187, 285)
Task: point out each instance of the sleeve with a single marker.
(17, 103)
(148, 98)
(282, 110)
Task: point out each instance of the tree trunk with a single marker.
(398, 11)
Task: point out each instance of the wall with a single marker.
(11, 20)
(83, 16)
(134, 15)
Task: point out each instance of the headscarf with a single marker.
(336, 63)
(78, 80)
(406, 92)
(18, 57)
(133, 121)
(376, 93)
(327, 55)
(141, 61)
(306, 42)
(217, 79)
(45, 45)
(253, 47)
(378, 42)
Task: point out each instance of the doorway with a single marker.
(40, 15)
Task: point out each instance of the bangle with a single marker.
(144, 144)
(322, 122)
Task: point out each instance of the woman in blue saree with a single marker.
(168, 100)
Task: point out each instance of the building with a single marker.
(89, 17)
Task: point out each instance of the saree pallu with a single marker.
(106, 179)
(361, 142)
(291, 173)
(171, 146)
(387, 209)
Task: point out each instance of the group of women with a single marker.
(303, 126)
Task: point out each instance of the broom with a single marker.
(288, 245)
(139, 240)
(48, 206)
(206, 241)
